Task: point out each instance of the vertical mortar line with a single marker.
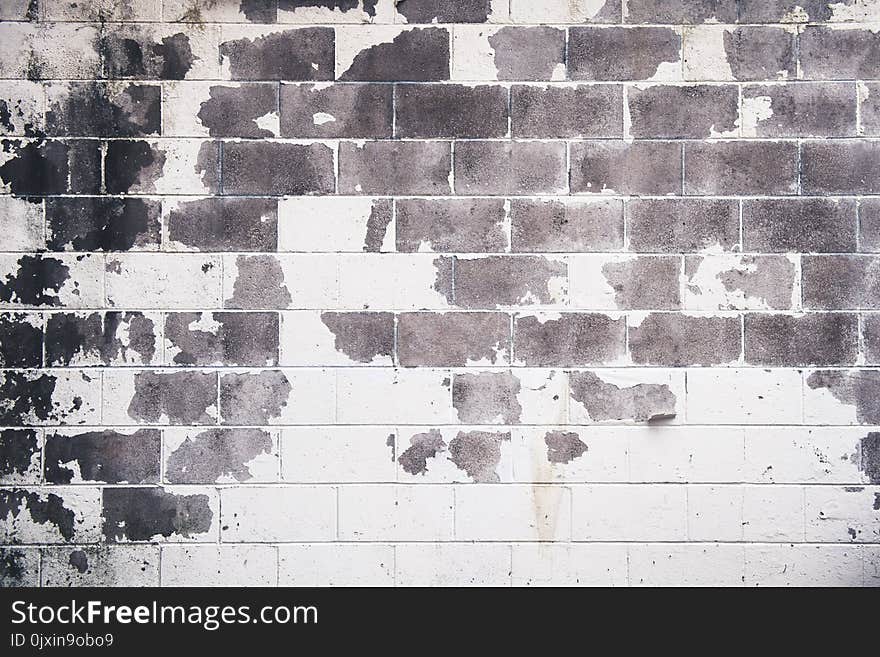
(860, 321)
(742, 338)
(858, 225)
(800, 167)
(859, 129)
(742, 238)
(393, 110)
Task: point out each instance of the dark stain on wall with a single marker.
(138, 55)
(486, 397)
(870, 461)
(478, 453)
(381, 215)
(259, 284)
(423, 446)
(184, 397)
(217, 453)
(564, 446)
(13, 567)
(860, 389)
(49, 509)
(101, 224)
(17, 449)
(644, 402)
(104, 456)
(29, 397)
(99, 336)
(36, 283)
(21, 342)
(244, 339)
(362, 337)
(415, 54)
(142, 514)
(131, 164)
(253, 398)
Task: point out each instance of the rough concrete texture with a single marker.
(328, 292)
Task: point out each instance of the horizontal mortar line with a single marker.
(629, 365)
(428, 423)
(350, 26)
(461, 81)
(596, 196)
(520, 483)
(448, 140)
(462, 255)
(782, 542)
(516, 310)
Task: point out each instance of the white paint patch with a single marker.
(269, 122)
(704, 55)
(797, 15)
(753, 111)
(855, 10)
(320, 118)
(352, 40)
(473, 57)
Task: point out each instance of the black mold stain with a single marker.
(870, 461)
(217, 453)
(420, 54)
(564, 446)
(428, 11)
(478, 453)
(226, 224)
(6, 116)
(876, 506)
(423, 446)
(244, 339)
(42, 510)
(362, 337)
(140, 514)
(184, 397)
(286, 55)
(860, 389)
(104, 456)
(17, 449)
(131, 163)
(21, 343)
(79, 560)
(13, 567)
(139, 57)
(253, 398)
(98, 335)
(101, 224)
(27, 396)
(644, 402)
(259, 284)
(486, 397)
(35, 282)
(93, 109)
(38, 167)
(381, 215)
(258, 11)
(232, 111)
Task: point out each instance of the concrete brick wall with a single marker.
(440, 292)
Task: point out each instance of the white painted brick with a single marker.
(686, 565)
(327, 224)
(219, 565)
(823, 407)
(403, 281)
(682, 454)
(306, 340)
(21, 526)
(842, 515)
(338, 454)
(629, 513)
(803, 455)
(803, 565)
(309, 279)
(715, 513)
(772, 513)
(744, 396)
(453, 564)
(21, 223)
(278, 513)
(871, 556)
(163, 281)
(558, 11)
(312, 398)
(337, 564)
(512, 513)
(383, 395)
(118, 565)
(396, 513)
(548, 564)
(606, 458)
